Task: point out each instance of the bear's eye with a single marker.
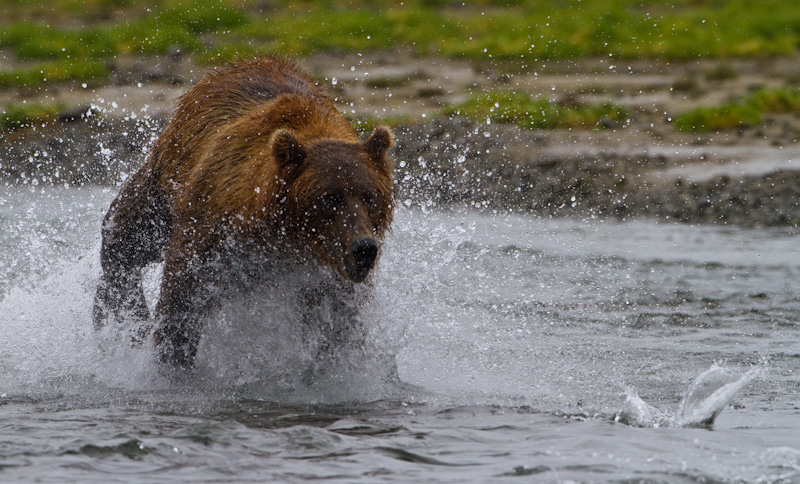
(370, 201)
(332, 201)
(328, 206)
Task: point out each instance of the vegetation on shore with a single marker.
(24, 114)
(744, 111)
(70, 39)
(505, 106)
(45, 43)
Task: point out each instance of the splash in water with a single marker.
(702, 403)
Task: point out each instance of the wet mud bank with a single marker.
(640, 167)
(457, 162)
(80, 148)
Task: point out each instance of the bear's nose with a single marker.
(364, 252)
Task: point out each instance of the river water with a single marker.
(516, 341)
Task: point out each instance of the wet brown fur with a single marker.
(255, 153)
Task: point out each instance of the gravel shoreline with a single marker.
(502, 167)
(447, 163)
(643, 167)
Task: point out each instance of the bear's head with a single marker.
(339, 197)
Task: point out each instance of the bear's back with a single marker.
(236, 89)
(218, 100)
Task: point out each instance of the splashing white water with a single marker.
(477, 309)
(254, 348)
(702, 403)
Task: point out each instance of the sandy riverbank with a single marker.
(642, 167)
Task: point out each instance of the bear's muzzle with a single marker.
(364, 252)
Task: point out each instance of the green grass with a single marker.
(39, 73)
(203, 16)
(779, 101)
(38, 41)
(744, 111)
(175, 26)
(539, 30)
(68, 53)
(502, 106)
(365, 125)
(23, 115)
(84, 31)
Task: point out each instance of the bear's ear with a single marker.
(378, 142)
(288, 152)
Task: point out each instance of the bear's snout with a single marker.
(364, 252)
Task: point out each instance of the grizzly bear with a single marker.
(256, 169)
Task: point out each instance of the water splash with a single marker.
(477, 309)
(702, 403)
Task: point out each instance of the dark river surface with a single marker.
(516, 341)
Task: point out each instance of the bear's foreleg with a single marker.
(343, 331)
(187, 295)
(331, 313)
(134, 233)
